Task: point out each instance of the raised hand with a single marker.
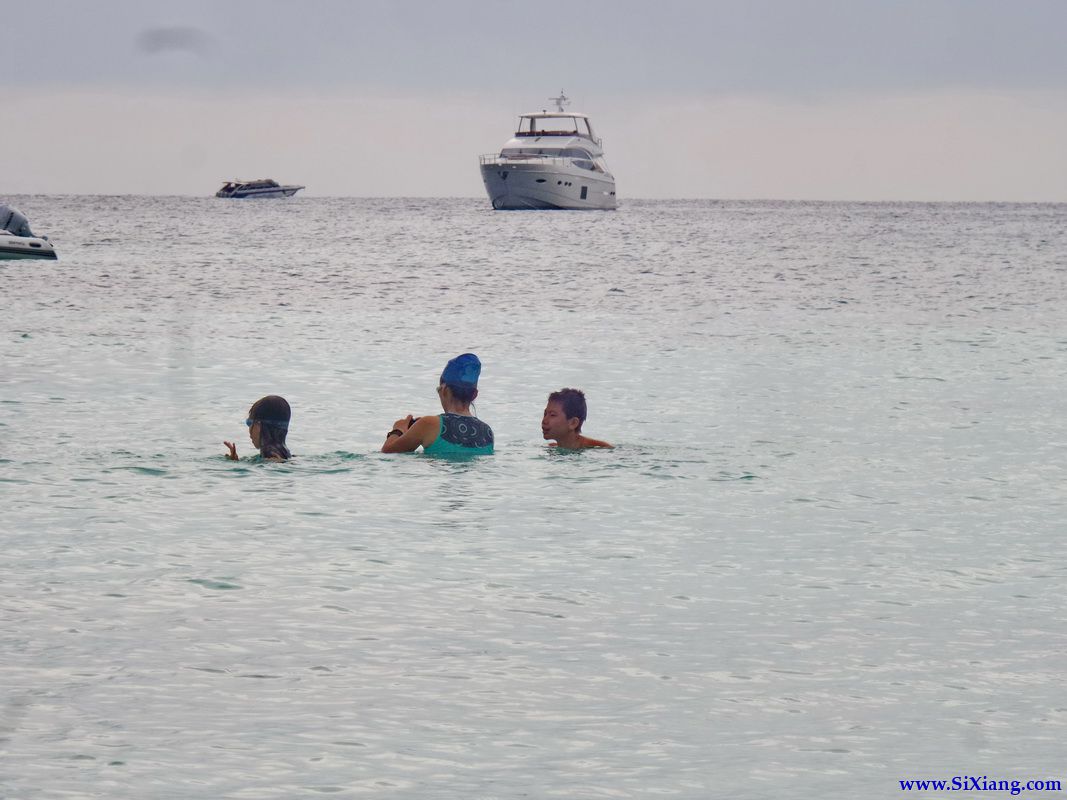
(232, 455)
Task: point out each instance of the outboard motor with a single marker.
(15, 221)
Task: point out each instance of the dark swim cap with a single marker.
(271, 410)
(462, 370)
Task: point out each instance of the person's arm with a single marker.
(232, 455)
(406, 436)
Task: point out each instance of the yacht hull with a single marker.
(514, 187)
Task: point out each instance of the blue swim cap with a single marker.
(462, 370)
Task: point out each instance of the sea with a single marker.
(826, 555)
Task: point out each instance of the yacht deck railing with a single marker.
(524, 158)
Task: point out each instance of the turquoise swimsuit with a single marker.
(461, 435)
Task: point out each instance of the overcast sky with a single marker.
(828, 99)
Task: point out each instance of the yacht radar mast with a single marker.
(560, 101)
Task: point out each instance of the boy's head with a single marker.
(565, 412)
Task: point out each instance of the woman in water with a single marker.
(457, 431)
(268, 422)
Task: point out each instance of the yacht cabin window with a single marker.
(566, 152)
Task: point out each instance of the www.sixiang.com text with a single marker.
(971, 783)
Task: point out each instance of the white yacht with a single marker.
(554, 160)
(262, 187)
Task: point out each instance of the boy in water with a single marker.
(564, 415)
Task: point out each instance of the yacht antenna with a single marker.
(560, 101)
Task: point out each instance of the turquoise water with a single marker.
(826, 554)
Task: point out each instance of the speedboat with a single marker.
(12, 246)
(554, 160)
(17, 240)
(262, 187)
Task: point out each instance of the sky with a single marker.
(939, 100)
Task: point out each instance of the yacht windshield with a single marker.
(550, 125)
(554, 126)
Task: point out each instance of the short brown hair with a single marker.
(573, 403)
